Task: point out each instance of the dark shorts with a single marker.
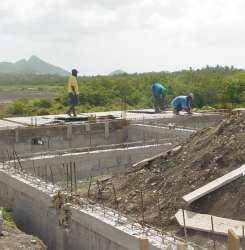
(73, 99)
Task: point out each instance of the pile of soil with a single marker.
(153, 193)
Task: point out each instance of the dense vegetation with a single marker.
(218, 87)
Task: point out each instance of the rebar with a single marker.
(213, 236)
(142, 207)
(18, 159)
(67, 177)
(89, 187)
(34, 170)
(185, 230)
(71, 177)
(75, 175)
(51, 174)
(115, 198)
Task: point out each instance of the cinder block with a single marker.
(233, 241)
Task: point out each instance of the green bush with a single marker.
(19, 107)
(42, 103)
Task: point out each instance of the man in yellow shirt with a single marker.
(73, 92)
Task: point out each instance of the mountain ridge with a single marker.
(34, 65)
(117, 72)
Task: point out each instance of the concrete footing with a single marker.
(86, 227)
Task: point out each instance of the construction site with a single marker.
(126, 180)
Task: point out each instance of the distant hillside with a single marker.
(33, 65)
(117, 72)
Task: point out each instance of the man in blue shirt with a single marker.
(159, 96)
(182, 103)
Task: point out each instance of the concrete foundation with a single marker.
(97, 148)
(51, 138)
(87, 228)
(147, 132)
(89, 163)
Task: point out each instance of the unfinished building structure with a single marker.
(43, 160)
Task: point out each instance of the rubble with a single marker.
(208, 154)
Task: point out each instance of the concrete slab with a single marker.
(141, 115)
(47, 119)
(214, 185)
(144, 114)
(202, 222)
(8, 125)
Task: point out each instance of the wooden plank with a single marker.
(181, 245)
(144, 244)
(233, 241)
(214, 185)
(202, 222)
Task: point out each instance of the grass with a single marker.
(8, 219)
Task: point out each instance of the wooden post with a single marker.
(181, 245)
(233, 241)
(144, 244)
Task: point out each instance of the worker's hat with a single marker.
(191, 95)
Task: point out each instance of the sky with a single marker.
(100, 36)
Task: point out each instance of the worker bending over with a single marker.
(159, 96)
(180, 103)
(73, 92)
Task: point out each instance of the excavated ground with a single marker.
(14, 239)
(207, 155)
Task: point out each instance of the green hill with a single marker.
(33, 65)
(117, 73)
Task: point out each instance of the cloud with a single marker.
(136, 35)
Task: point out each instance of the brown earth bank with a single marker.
(153, 193)
(14, 239)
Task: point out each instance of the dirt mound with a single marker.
(153, 193)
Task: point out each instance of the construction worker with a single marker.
(73, 92)
(159, 96)
(182, 103)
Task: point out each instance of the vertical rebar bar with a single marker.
(15, 166)
(8, 155)
(51, 174)
(46, 173)
(159, 208)
(67, 177)
(89, 187)
(185, 230)
(34, 170)
(18, 159)
(213, 236)
(115, 198)
(71, 177)
(75, 175)
(142, 207)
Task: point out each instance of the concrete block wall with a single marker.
(92, 163)
(57, 137)
(196, 121)
(31, 202)
(146, 132)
